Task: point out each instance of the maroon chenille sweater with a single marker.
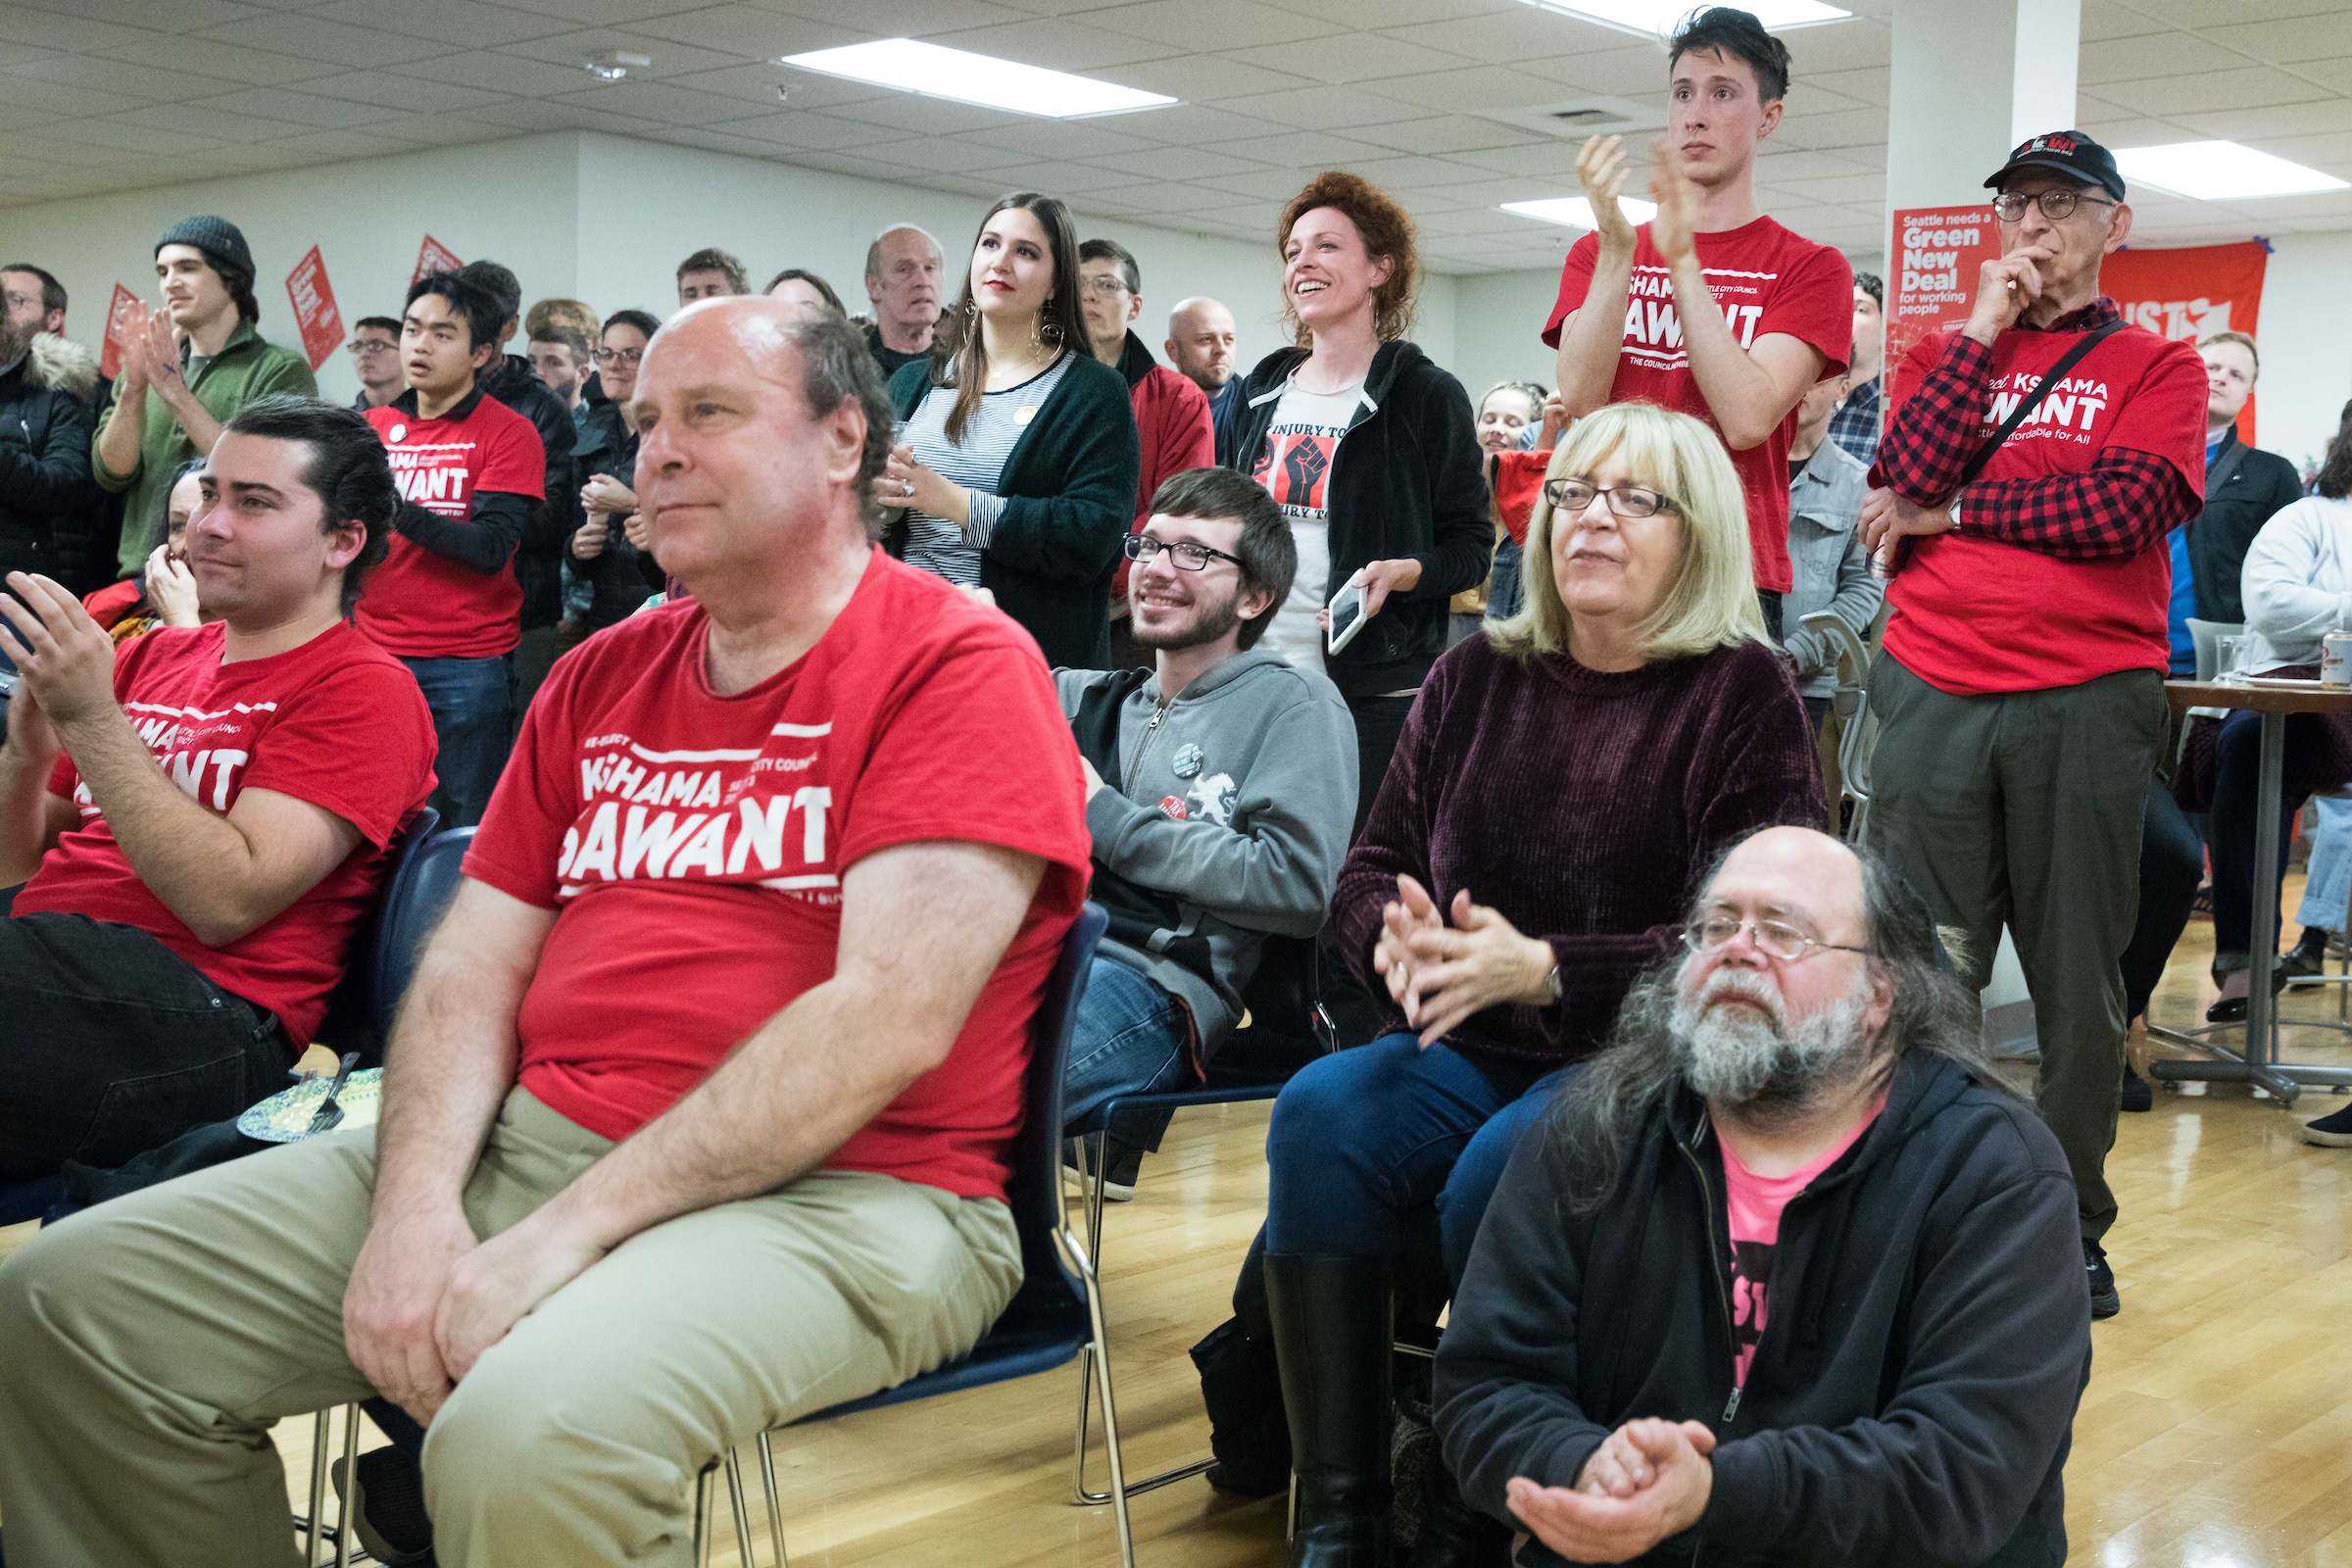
(1584, 806)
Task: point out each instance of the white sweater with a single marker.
(2297, 581)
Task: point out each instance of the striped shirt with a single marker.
(933, 543)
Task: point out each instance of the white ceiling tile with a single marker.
(1543, 159)
(1272, 185)
(671, 57)
(507, 76)
(1487, 87)
(2155, 54)
(1398, 14)
(2107, 19)
(1851, 127)
(1511, 34)
(806, 129)
(213, 123)
(2276, 119)
(1327, 107)
(159, 16)
(1198, 125)
(342, 146)
(1865, 86)
(1350, 56)
(1179, 163)
(805, 89)
(1231, 24)
(542, 114)
(139, 84)
(2280, 42)
(415, 94)
(1301, 150)
(1090, 138)
(63, 102)
(907, 113)
(470, 23)
(732, 29)
(1167, 196)
(317, 38)
(604, 13)
(903, 19)
(2248, 87)
(1068, 180)
(1057, 45)
(659, 101)
(2221, 13)
(22, 25)
(1410, 172)
(209, 57)
(133, 136)
(1198, 79)
(316, 108)
(1445, 134)
(942, 155)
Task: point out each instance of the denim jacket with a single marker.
(1832, 569)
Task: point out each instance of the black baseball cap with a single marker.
(2065, 152)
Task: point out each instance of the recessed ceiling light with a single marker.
(911, 65)
(615, 63)
(1577, 213)
(1657, 19)
(2219, 171)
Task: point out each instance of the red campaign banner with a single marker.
(1939, 250)
(315, 310)
(118, 328)
(2190, 294)
(434, 256)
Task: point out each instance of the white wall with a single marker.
(2306, 344)
(514, 200)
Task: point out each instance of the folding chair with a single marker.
(1849, 700)
(1054, 1316)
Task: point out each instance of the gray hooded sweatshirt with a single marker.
(1227, 819)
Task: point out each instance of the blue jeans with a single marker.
(1129, 1040)
(1365, 1138)
(474, 722)
(2327, 884)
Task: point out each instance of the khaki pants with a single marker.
(147, 1346)
(2024, 808)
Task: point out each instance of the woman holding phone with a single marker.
(1372, 453)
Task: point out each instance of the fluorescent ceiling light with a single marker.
(1574, 212)
(2219, 171)
(1657, 19)
(926, 67)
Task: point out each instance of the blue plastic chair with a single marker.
(1054, 1316)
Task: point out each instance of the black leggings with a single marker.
(111, 1045)
(2172, 862)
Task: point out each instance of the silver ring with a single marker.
(906, 487)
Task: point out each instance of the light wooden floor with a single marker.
(2217, 1432)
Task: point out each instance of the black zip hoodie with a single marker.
(1913, 1397)
(1409, 479)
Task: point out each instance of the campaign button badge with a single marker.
(1187, 762)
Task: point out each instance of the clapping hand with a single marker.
(1600, 169)
(1674, 230)
(604, 493)
(159, 343)
(1440, 975)
(1648, 1481)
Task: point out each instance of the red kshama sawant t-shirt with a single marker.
(1766, 280)
(694, 846)
(337, 722)
(1974, 615)
(419, 603)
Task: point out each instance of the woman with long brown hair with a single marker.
(1015, 467)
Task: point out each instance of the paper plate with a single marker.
(285, 1117)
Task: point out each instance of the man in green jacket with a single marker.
(187, 368)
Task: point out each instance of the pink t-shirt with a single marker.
(1754, 1204)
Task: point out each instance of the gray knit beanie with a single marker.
(217, 237)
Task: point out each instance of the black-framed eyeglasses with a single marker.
(2057, 205)
(620, 356)
(1188, 556)
(1573, 496)
(372, 345)
(1775, 939)
(1107, 286)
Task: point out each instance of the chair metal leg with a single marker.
(701, 1517)
(318, 1429)
(344, 1533)
(775, 1511)
(743, 1520)
(1082, 1263)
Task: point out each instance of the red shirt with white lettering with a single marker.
(695, 844)
(337, 722)
(420, 604)
(1767, 280)
(1974, 615)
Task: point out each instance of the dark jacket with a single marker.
(538, 559)
(622, 576)
(2235, 512)
(1927, 1339)
(1068, 488)
(1407, 480)
(48, 500)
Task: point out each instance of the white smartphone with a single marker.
(1348, 617)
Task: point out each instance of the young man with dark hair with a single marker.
(1220, 789)
(199, 818)
(903, 269)
(710, 274)
(47, 498)
(1171, 413)
(2020, 693)
(1855, 424)
(470, 473)
(539, 555)
(186, 368)
(1711, 308)
(376, 360)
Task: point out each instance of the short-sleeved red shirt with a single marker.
(422, 605)
(1767, 280)
(695, 847)
(1973, 614)
(337, 722)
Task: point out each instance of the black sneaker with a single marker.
(2136, 1093)
(2308, 957)
(2332, 1131)
(2105, 1300)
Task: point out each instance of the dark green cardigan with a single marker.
(1068, 488)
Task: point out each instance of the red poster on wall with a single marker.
(119, 324)
(1937, 250)
(434, 256)
(315, 310)
(2190, 294)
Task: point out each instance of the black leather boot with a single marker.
(1454, 1535)
(1333, 1332)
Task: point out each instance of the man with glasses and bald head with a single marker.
(2021, 698)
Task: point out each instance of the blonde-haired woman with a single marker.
(1561, 784)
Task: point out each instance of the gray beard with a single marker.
(1763, 1068)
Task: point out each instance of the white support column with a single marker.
(1971, 79)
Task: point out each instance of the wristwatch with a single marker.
(1551, 983)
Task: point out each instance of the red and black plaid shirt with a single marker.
(2125, 502)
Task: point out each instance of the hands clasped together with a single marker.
(1649, 1481)
(1440, 974)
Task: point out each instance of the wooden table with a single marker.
(2259, 1061)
